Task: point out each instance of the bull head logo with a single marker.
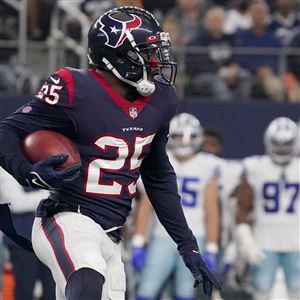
(115, 30)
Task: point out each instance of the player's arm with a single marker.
(212, 222)
(43, 112)
(143, 216)
(160, 183)
(244, 195)
(246, 244)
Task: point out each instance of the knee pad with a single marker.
(84, 284)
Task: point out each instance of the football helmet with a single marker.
(281, 139)
(185, 135)
(129, 42)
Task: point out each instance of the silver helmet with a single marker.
(185, 136)
(281, 140)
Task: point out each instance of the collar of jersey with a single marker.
(123, 103)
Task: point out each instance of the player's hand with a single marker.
(44, 174)
(247, 248)
(138, 258)
(210, 260)
(194, 261)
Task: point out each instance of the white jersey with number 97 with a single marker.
(276, 202)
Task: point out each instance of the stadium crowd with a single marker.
(235, 50)
(228, 50)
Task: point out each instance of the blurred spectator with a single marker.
(158, 8)
(94, 8)
(16, 78)
(214, 73)
(284, 20)
(263, 66)
(26, 267)
(8, 22)
(188, 15)
(292, 79)
(237, 17)
(39, 16)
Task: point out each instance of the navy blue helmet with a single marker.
(129, 42)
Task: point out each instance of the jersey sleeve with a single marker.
(58, 89)
(40, 113)
(160, 184)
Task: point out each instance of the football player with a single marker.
(117, 114)
(270, 194)
(197, 182)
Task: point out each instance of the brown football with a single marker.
(43, 143)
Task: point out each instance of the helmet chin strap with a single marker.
(144, 86)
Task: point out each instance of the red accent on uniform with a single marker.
(67, 76)
(123, 103)
(53, 221)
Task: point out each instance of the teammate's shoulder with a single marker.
(208, 158)
(254, 160)
(228, 163)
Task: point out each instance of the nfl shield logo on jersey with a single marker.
(133, 112)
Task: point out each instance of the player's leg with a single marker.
(87, 282)
(291, 267)
(68, 242)
(263, 275)
(161, 258)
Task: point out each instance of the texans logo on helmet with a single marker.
(114, 29)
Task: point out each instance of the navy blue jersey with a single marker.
(117, 139)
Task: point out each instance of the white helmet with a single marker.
(281, 138)
(186, 135)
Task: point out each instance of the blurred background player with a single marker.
(197, 181)
(23, 203)
(269, 199)
(212, 142)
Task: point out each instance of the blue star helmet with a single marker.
(281, 140)
(129, 42)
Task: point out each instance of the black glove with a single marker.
(194, 261)
(44, 175)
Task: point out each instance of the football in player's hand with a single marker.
(43, 143)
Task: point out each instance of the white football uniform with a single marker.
(276, 203)
(192, 178)
(230, 176)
